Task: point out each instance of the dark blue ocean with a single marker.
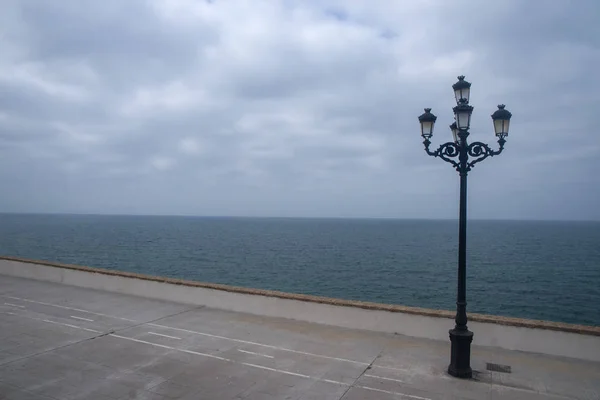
(539, 270)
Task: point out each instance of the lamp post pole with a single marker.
(463, 156)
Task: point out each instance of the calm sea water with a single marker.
(540, 270)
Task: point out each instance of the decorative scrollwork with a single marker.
(480, 151)
(446, 152)
(451, 153)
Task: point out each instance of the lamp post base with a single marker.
(460, 355)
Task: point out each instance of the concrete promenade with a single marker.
(65, 342)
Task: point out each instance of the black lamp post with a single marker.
(463, 156)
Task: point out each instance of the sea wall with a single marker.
(544, 337)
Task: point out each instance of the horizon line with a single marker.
(296, 217)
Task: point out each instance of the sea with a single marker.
(530, 269)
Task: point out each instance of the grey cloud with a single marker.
(293, 108)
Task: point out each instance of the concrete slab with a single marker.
(63, 342)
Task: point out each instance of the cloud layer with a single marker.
(290, 108)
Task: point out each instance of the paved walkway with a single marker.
(62, 342)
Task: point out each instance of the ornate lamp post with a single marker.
(463, 156)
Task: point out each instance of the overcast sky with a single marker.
(295, 108)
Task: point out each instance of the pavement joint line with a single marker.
(256, 354)
(229, 360)
(335, 382)
(405, 370)
(137, 323)
(260, 344)
(69, 325)
(13, 305)
(368, 367)
(67, 308)
(278, 370)
(164, 346)
(411, 396)
(167, 336)
(111, 332)
(53, 322)
(81, 318)
(52, 349)
(382, 377)
(157, 319)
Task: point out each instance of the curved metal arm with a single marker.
(446, 152)
(480, 151)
